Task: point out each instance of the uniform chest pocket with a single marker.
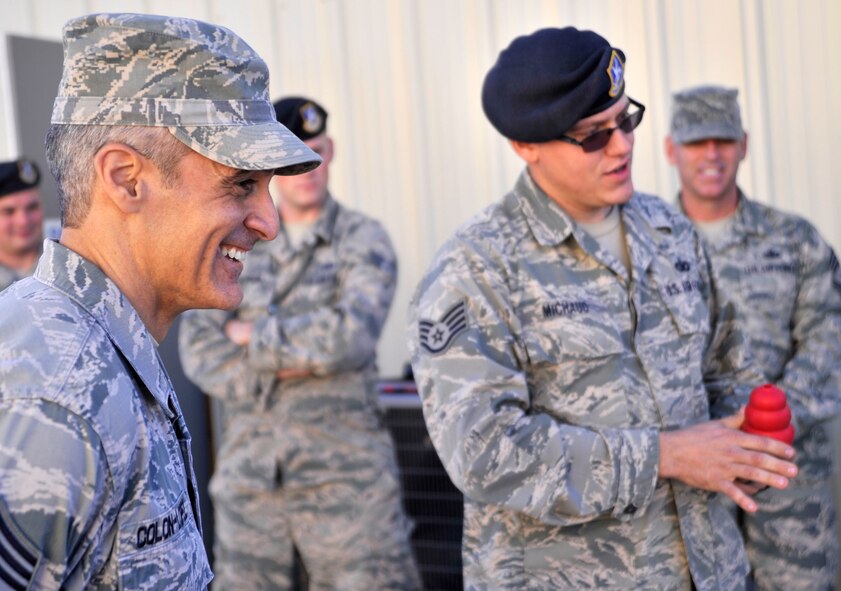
(769, 287)
(689, 318)
(679, 286)
(561, 341)
(572, 365)
(322, 274)
(165, 550)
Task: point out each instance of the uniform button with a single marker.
(630, 509)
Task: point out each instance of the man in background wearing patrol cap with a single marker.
(565, 341)
(305, 460)
(785, 280)
(21, 220)
(163, 142)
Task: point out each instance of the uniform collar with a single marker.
(326, 221)
(645, 228)
(749, 218)
(747, 221)
(550, 224)
(322, 231)
(86, 284)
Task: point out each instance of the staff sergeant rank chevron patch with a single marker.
(17, 559)
(436, 337)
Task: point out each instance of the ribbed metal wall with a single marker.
(401, 79)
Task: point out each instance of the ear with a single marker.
(669, 147)
(118, 169)
(525, 150)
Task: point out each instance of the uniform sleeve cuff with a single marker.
(636, 456)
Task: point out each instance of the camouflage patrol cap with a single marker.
(199, 80)
(706, 112)
(18, 175)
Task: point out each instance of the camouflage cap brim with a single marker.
(251, 147)
(706, 132)
(243, 134)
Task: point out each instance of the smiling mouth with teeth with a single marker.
(233, 253)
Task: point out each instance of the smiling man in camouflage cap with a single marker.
(785, 280)
(163, 144)
(569, 345)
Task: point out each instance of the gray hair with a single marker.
(71, 150)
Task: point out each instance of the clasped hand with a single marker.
(717, 456)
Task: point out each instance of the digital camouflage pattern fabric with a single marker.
(9, 276)
(97, 489)
(784, 279)
(200, 80)
(305, 461)
(706, 112)
(546, 408)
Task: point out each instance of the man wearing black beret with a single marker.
(571, 346)
(21, 220)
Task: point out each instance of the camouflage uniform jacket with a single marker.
(319, 308)
(547, 374)
(785, 280)
(97, 489)
(9, 276)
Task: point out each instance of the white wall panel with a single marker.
(402, 81)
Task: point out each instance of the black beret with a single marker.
(18, 175)
(302, 116)
(543, 83)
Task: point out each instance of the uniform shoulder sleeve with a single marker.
(55, 488)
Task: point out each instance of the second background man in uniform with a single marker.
(305, 460)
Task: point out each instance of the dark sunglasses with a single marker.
(597, 141)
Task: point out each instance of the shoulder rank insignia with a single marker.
(436, 337)
(19, 560)
(312, 120)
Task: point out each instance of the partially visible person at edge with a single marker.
(569, 345)
(305, 461)
(21, 220)
(163, 142)
(785, 280)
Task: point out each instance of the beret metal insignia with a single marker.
(615, 70)
(312, 121)
(436, 337)
(27, 172)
